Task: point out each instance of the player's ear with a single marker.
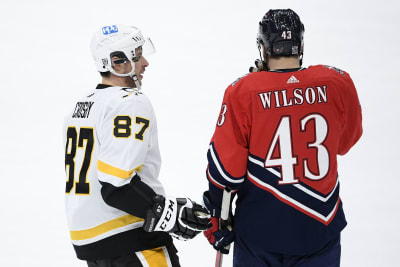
(117, 63)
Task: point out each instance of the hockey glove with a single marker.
(181, 217)
(219, 236)
(259, 66)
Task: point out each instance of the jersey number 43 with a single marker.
(283, 140)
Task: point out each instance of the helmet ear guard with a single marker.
(121, 57)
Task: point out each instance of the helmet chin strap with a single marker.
(136, 81)
(265, 63)
(131, 74)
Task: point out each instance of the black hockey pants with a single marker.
(165, 256)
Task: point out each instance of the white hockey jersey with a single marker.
(110, 136)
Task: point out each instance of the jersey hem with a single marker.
(123, 243)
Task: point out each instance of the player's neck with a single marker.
(118, 81)
(278, 63)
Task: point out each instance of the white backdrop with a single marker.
(202, 46)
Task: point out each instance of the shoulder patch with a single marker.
(238, 79)
(335, 69)
(130, 91)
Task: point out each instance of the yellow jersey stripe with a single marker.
(104, 227)
(155, 257)
(117, 172)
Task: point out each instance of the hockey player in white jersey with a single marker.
(117, 211)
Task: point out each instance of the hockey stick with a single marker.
(226, 201)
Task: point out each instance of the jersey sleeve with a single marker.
(228, 150)
(352, 117)
(127, 136)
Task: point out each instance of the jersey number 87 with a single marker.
(122, 126)
(82, 186)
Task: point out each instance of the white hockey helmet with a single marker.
(109, 40)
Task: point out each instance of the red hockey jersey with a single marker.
(276, 142)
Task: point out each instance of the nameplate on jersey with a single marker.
(82, 109)
(298, 96)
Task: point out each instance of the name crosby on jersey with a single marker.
(310, 95)
(82, 109)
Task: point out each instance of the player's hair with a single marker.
(277, 57)
(105, 74)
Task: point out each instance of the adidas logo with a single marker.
(292, 79)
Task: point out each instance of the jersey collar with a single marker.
(287, 70)
(102, 86)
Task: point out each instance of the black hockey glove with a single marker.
(219, 235)
(259, 66)
(181, 217)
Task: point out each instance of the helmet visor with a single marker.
(148, 47)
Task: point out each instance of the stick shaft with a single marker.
(226, 202)
(218, 260)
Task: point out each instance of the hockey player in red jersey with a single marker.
(117, 210)
(275, 145)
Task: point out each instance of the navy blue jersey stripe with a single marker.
(260, 162)
(294, 194)
(218, 174)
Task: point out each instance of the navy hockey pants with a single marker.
(158, 257)
(328, 256)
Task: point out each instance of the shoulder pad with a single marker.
(238, 79)
(334, 68)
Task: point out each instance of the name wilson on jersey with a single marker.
(281, 98)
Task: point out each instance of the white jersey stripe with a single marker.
(309, 192)
(107, 234)
(261, 164)
(298, 186)
(215, 181)
(214, 157)
(294, 202)
(104, 227)
(142, 259)
(167, 256)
